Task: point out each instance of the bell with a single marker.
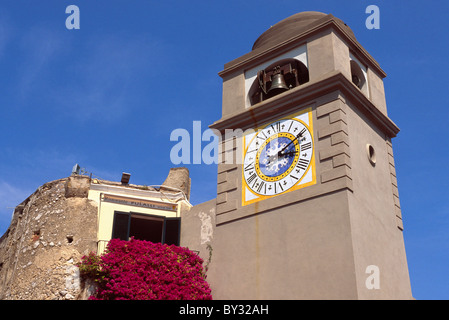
(278, 85)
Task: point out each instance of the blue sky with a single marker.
(107, 96)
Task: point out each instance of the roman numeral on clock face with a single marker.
(261, 186)
(249, 167)
(251, 178)
(280, 186)
(303, 164)
(306, 146)
(276, 127)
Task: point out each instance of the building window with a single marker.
(146, 227)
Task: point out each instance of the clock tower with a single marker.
(307, 200)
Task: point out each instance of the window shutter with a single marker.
(172, 231)
(120, 229)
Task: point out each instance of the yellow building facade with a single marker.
(145, 213)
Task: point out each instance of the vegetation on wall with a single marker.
(142, 270)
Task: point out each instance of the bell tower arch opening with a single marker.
(278, 77)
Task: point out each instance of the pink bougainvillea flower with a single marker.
(142, 270)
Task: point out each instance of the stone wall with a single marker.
(50, 231)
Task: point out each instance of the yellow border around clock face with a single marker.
(299, 184)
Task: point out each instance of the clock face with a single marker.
(278, 158)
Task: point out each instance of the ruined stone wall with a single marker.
(50, 231)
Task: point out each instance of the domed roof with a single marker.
(290, 27)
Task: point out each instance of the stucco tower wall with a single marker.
(377, 229)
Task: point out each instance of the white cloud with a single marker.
(23, 171)
(10, 197)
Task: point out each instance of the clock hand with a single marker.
(296, 138)
(275, 156)
(289, 153)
